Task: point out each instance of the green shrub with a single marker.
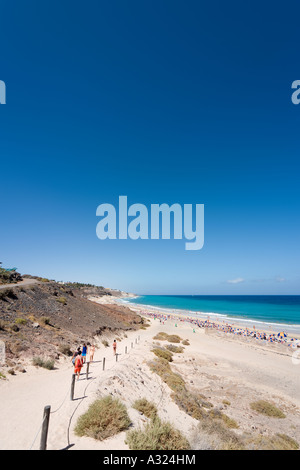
(162, 368)
(266, 408)
(21, 321)
(163, 353)
(45, 363)
(144, 406)
(165, 337)
(62, 300)
(104, 418)
(160, 336)
(157, 435)
(191, 404)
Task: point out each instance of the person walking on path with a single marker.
(115, 347)
(92, 352)
(84, 352)
(75, 355)
(78, 364)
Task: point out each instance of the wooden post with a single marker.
(87, 370)
(72, 386)
(104, 363)
(135, 340)
(125, 349)
(131, 345)
(116, 357)
(45, 426)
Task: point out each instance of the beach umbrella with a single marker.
(281, 334)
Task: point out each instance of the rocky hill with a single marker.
(47, 318)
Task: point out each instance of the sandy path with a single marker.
(25, 282)
(23, 398)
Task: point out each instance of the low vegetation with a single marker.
(144, 406)
(165, 337)
(106, 417)
(62, 300)
(157, 435)
(192, 404)
(213, 433)
(162, 368)
(267, 409)
(6, 293)
(160, 352)
(175, 349)
(45, 363)
(21, 321)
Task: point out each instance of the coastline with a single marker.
(292, 331)
(264, 326)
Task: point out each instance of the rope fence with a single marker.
(44, 427)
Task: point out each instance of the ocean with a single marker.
(277, 311)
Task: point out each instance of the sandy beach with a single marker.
(224, 369)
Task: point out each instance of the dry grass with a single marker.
(144, 406)
(20, 321)
(217, 434)
(191, 404)
(165, 337)
(162, 368)
(106, 417)
(276, 442)
(45, 363)
(173, 339)
(226, 402)
(159, 352)
(267, 409)
(157, 435)
(161, 336)
(175, 349)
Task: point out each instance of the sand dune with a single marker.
(213, 365)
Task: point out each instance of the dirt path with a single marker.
(25, 282)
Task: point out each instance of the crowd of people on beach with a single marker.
(280, 338)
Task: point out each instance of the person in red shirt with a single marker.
(78, 364)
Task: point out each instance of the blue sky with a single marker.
(165, 102)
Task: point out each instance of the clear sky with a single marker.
(165, 102)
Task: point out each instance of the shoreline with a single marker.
(274, 327)
(219, 321)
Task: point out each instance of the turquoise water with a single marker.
(270, 309)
